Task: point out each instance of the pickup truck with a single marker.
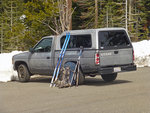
(107, 52)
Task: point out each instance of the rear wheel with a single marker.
(109, 77)
(23, 73)
(81, 77)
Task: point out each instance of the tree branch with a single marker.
(48, 26)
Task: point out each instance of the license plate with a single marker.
(117, 69)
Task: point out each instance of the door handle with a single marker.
(48, 57)
(116, 52)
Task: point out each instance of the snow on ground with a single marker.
(6, 69)
(141, 51)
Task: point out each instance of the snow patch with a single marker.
(142, 53)
(6, 68)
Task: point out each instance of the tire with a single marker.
(23, 73)
(81, 77)
(109, 77)
(92, 75)
(72, 65)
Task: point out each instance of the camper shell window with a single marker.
(113, 39)
(78, 40)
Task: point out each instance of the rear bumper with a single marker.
(123, 68)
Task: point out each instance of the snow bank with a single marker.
(142, 53)
(6, 69)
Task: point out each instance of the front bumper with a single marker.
(122, 68)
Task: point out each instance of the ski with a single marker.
(59, 59)
(61, 55)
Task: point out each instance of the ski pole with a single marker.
(77, 67)
(74, 73)
(77, 76)
(60, 55)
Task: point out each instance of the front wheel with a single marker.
(109, 77)
(23, 73)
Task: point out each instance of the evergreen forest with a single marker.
(24, 22)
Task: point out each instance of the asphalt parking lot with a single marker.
(130, 93)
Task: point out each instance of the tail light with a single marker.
(97, 59)
(133, 55)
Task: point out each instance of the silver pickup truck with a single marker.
(107, 51)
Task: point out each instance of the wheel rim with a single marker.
(21, 72)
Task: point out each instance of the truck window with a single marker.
(113, 39)
(44, 45)
(78, 40)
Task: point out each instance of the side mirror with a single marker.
(31, 50)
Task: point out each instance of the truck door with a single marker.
(40, 60)
(115, 48)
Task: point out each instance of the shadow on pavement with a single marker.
(88, 81)
(100, 82)
(41, 79)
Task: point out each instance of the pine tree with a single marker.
(112, 13)
(144, 8)
(11, 12)
(54, 15)
(87, 8)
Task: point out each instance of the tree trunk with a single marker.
(1, 37)
(130, 15)
(96, 13)
(65, 14)
(69, 14)
(107, 18)
(126, 22)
